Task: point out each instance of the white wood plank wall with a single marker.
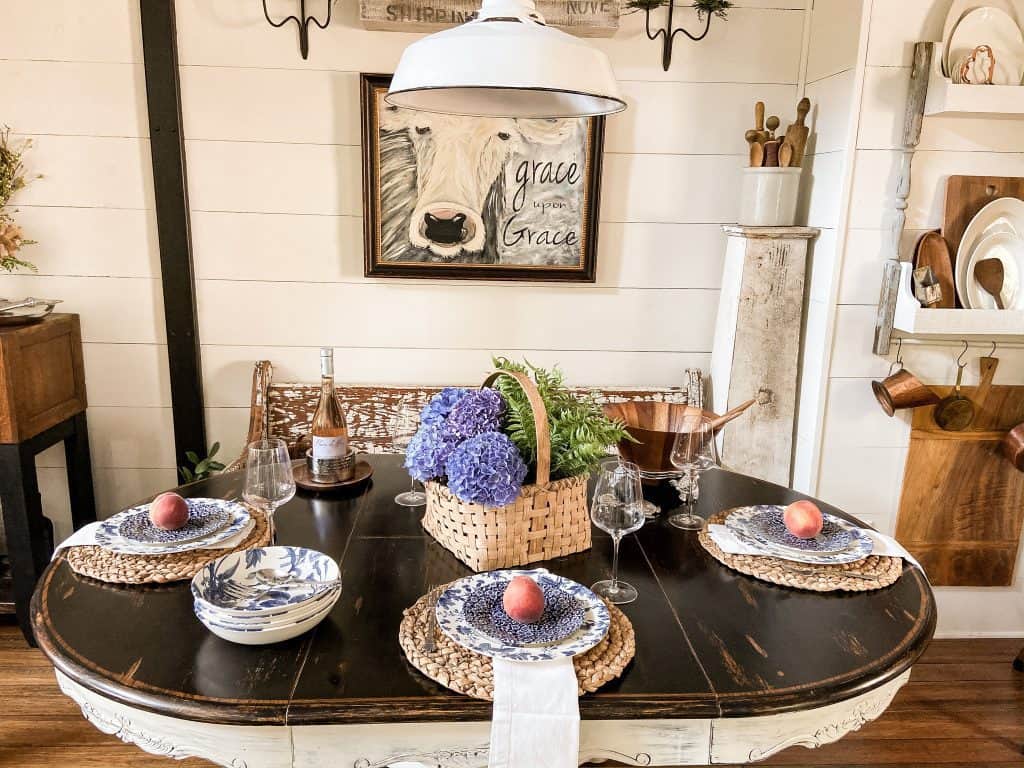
(274, 171)
(855, 433)
(274, 177)
(71, 77)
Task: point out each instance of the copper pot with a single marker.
(1013, 446)
(902, 389)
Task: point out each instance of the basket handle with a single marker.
(540, 420)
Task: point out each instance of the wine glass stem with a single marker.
(270, 523)
(412, 485)
(615, 563)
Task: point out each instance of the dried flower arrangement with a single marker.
(12, 178)
(483, 443)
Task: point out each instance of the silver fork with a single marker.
(428, 645)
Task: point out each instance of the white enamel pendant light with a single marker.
(505, 63)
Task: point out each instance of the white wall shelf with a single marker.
(914, 321)
(947, 99)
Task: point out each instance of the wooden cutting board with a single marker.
(962, 506)
(966, 195)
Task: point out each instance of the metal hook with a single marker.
(960, 357)
(898, 362)
(302, 21)
(993, 352)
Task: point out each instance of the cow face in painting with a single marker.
(459, 165)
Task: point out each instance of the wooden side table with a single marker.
(42, 402)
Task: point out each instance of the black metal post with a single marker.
(163, 98)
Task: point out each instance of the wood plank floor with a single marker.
(964, 706)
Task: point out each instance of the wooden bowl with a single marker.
(655, 426)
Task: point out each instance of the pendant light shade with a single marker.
(505, 63)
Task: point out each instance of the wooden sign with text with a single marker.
(586, 18)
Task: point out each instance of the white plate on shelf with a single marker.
(1009, 249)
(998, 30)
(1005, 214)
(961, 8)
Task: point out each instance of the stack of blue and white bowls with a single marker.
(267, 595)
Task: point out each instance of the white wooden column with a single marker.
(757, 346)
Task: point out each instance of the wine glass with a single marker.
(617, 509)
(404, 424)
(693, 452)
(269, 482)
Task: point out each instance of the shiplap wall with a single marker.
(833, 44)
(274, 178)
(71, 78)
(863, 452)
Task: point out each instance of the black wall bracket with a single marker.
(302, 21)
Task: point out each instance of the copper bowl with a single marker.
(655, 426)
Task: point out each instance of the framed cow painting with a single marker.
(478, 197)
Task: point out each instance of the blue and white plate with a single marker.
(451, 617)
(562, 617)
(230, 584)
(108, 535)
(204, 519)
(761, 525)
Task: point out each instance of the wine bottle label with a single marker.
(329, 447)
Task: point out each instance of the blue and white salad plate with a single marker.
(563, 615)
(477, 591)
(109, 535)
(762, 525)
(204, 519)
(231, 585)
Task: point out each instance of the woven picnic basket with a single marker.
(549, 519)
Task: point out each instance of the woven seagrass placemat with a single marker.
(873, 572)
(467, 672)
(102, 564)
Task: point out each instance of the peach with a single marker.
(803, 519)
(169, 512)
(523, 600)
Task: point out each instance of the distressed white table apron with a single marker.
(655, 742)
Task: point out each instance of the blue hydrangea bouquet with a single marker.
(497, 497)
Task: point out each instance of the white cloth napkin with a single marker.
(536, 718)
(86, 537)
(883, 544)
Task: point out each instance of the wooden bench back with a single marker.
(285, 410)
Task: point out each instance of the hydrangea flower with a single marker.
(428, 451)
(441, 404)
(486, 469)
(476, 412)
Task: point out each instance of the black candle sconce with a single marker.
(302, 21)
(705, 10)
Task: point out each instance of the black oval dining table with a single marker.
(728, 669)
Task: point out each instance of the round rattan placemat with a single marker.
(873, 572)
(102, 564)
(467, 672)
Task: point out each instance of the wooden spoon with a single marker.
(785, 155)
(989, 274)
(729, 415)
(756, 154)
